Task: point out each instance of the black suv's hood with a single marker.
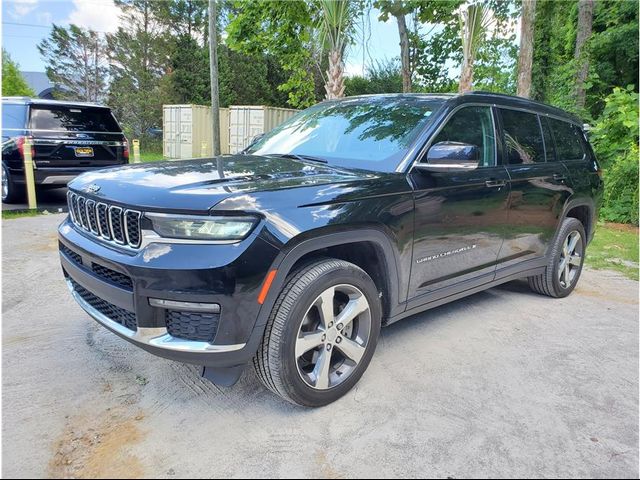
(198, 185)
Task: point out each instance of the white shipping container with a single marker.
(187, 127)
(247, 121)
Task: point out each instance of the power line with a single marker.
(26, 25)
(47, 27)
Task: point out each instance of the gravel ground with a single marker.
(505, 383)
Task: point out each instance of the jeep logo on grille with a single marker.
(93, 188)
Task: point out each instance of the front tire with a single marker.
(321, 334)
(566, 259)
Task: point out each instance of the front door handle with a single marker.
(559, 177)
(495, 183)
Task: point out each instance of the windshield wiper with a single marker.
(295, 156)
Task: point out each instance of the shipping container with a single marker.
(248, 121)
(187, 131)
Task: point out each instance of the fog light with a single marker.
(186, 306)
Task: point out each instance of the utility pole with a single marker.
(213, 70)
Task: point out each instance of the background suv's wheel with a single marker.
(566, 258)
(11, 193)
(321, 334)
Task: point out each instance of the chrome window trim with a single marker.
(406, 164)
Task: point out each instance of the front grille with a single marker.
(109, 222)
(112, 276)
(120, 315)
(71, 254)
(199, 327)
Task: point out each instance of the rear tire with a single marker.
(566, 259)
(312, 356)
(11, 193)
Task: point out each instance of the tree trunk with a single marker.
(335, 76)
(466, 76)
(213, 60)
(585, 23)
(525, 58)
(404, 52)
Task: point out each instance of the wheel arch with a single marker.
(583, 210)
(370, 241)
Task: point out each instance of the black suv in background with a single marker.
(352, 215)
(67, 138)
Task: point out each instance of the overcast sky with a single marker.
(26, 22)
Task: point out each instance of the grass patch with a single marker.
(615, 247)
(8, 214)
(149, 157)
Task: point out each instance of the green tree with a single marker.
(336, 31)
(283, 30)
(139, 63)
(76, 60)
(13, 83)
(474, 23)
(383, 77)
(423, 53)
(615, 139)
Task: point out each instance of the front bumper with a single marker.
(228, 276)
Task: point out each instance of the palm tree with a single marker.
(474, 23)
(335, 28)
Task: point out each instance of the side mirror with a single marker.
(451, 157)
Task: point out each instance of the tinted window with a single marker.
(372, 134)
(13, 116)
(548, 140)
(73, 119)
(473, 126)
(522, 137)
(567, 136)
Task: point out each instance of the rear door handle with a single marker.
(558, 177)
(495, 183)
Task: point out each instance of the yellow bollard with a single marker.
(28, 174)
(136, 151)
(203, 149)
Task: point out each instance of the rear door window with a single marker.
(73, 119)
(567, 137)
(522, 137)
(13, 116)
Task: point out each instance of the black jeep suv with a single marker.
(351, 215)
(67, 138)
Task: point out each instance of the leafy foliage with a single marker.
(379, 78)
(615, 139)
(283, 30)
(13, 83)
(77, 61)
(138, 67)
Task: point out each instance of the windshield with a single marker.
(369, 133)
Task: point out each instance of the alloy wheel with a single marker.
(333, 336)
(5, 183)
(570, 259)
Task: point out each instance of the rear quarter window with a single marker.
(567, 139)
(13, 116)
(73, 119)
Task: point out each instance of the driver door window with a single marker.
(472, 126)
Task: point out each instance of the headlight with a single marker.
(202, 228)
